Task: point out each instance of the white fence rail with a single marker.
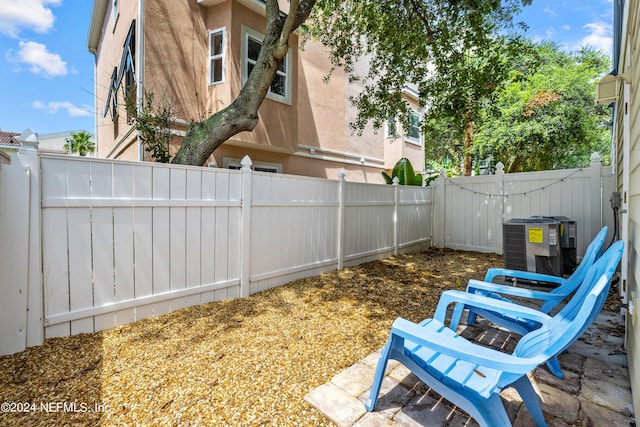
(88, 244)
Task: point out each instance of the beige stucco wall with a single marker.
(175, 60)
(108, 55)
(308, 136)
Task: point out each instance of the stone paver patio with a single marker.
(595, 392)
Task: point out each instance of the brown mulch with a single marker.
(242, 362)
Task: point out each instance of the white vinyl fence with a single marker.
(469, 211)
(89, 244)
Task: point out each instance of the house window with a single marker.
(412, 133)
(112, 96)
(391, 127)
(280, 89)
(127, 62)
(217, 40)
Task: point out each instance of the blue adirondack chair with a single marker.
(472, 376)
(550, 299)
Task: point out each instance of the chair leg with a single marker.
(456, 315)
(378, 376)
(471, 318)
(554, 367)
(530, 399)
(490, 412)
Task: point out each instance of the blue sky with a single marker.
(571, 23)
(46, 72)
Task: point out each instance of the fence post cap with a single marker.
(341, 175)
(396, 180)
(499, 168)
(246, 163)
(596, 158)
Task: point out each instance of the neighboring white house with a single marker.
(52, 143)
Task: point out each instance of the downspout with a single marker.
(140, 69)
(96, 140)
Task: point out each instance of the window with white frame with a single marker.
(391, 127)
(217, 41)
(280, 89)
(412, 133)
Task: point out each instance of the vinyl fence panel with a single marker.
(369, 220)
(123, 241)
(293, 223)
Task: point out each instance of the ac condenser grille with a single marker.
(515, 254)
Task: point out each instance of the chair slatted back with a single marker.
(568, 324)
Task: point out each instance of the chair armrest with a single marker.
(462, 349)
(493, 272)
(479, 301)
(477, 285)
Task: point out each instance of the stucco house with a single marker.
(624, 95)
(196, 54)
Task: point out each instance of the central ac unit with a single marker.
(568, 241)
(533, 244)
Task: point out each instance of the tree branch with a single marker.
(417, 8)
(289, 24)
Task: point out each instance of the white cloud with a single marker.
(599, 36)
(72, 110)
(17, 15)
(40, 60)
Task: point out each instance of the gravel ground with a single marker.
(243, 362)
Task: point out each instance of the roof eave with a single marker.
(98, 13)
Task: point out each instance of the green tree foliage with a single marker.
(545, 117)
(153, 122)
(81, 143)
(452, 52)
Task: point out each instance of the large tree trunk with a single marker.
(514, 165)
(204, 137)
(468, 140)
